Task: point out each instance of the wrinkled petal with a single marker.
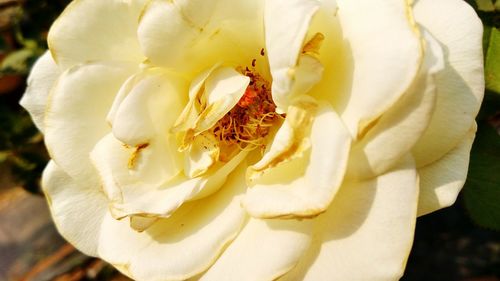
(40, 82)
(441, 181)
(142, 114)
(264, 250)
(96, 30)
(367, 232)
(77, 208)
(460, 85)
(76, 113)
(304, 186)
(223, 89)
(398, 129)
(200, 34)
(179, 247)
(285, 34)
(380, 59)
(130, 195)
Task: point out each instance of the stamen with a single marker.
(250, 121)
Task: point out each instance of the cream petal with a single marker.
(200, 34)
(285, 34)
(140, 224)
(201, 155)
(179, 247)
(93, 30)
(305, 186)
(383, 145)
(40, 81)
(164, 42)
(132, 195)
(150, 108)
(223, 89)
(367, 232)
(77, 209)
(383, 65)
(264, 250)
(461, 84)
(191, 111)
(441, 181)
(75, 116)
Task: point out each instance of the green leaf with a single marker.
(482, 189)
(486, 38)
(492, 68)
(485, 5)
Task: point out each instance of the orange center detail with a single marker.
(249, 122)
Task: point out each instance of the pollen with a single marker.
(249, 122)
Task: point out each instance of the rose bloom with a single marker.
(255, 139)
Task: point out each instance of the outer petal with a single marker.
(367, 232)
(76, 114)
(77, 210)
(264, 250)
(96, 30)
(441, 181)
(381, 57)
(181, 246)
(461, 84)
(40, 81)
(398, 129)
(305, 186)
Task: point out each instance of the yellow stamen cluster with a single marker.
(249, 122)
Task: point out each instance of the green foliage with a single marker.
(482, 192)
(492, 60)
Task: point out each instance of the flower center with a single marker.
(249, 122)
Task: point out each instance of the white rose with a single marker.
(253, 139)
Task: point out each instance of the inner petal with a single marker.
(230, 110)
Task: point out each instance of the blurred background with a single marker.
(458, 243)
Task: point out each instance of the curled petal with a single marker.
(40, 82)
(395, 133)
(181, 246)
(367, 232)
(264, 250)
(305, 185)
(380, 60)
(75, 116)
(441, 181)
(93, 30)
(460, 86)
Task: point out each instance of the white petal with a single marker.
(441, 181)
(76, 114)
(264, 250)
(131, 194)
(223, 89)
(150, 108)
(77, 208)
(304, 186)
(200, 34)
(40, 81)
(398, 129)
(164, 32)
(461, 84)
(285, 34)
(179, 247)
(381, 57)
(96, 30)
(367, 232)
